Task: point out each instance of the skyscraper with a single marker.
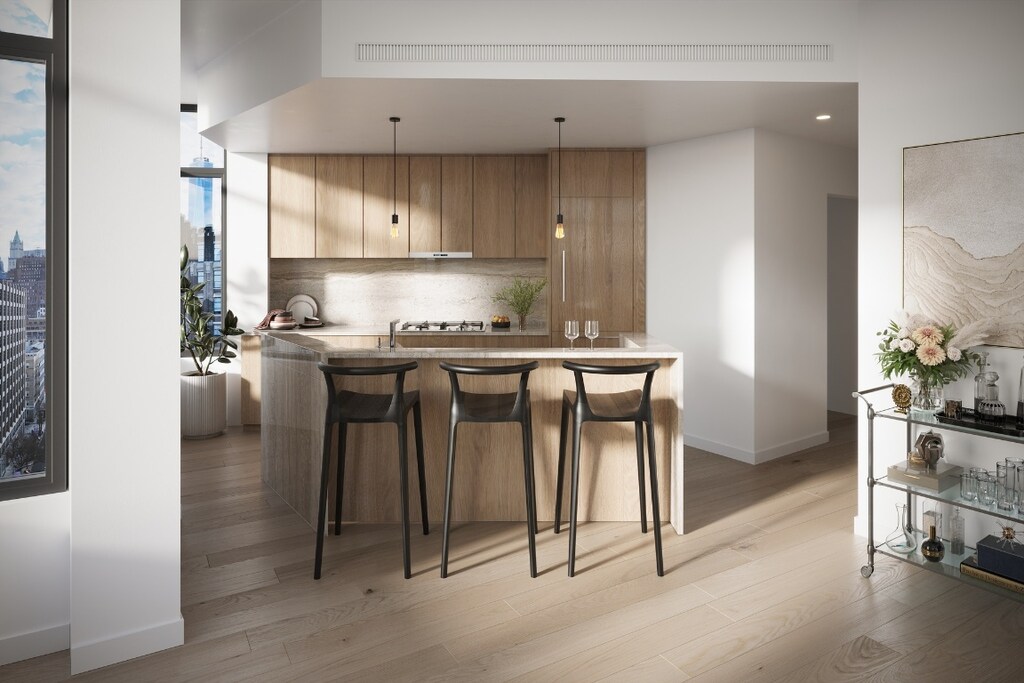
(16, 251)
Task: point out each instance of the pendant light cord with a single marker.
(394, 166)
(559, 168)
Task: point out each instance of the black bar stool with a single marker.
(344, 407)
(626, 406)
(469, 407)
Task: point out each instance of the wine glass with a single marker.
(572, 330)
(590, 331)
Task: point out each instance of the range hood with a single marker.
(440, 254)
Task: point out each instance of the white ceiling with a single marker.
(481, 116)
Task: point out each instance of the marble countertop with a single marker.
(381, 330)
(637, 346)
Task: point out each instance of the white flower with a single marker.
(907, 345)
(953, 353)
(894, 344)
(903, 333)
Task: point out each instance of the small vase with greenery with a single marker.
(197, 331)
(520, 296)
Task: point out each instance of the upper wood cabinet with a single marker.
(292, 198)
(424, 204)
(593, 173)
(379, 188)
(494, 207)
(533, 224)
(339, 207)
(457, 203)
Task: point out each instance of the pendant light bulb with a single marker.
(394, 176)
(559, 223)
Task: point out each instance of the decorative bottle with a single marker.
(932, 549)
(1020, 398)
(956, 533)
(980, 381)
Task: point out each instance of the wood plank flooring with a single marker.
(764, 586)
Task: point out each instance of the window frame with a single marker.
(218, 173)
(53, 52)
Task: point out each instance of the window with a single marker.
(33, 247)
(202, 211)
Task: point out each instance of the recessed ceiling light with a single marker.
(823, 117)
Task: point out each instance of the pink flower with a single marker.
(930, 354)
(927, 334)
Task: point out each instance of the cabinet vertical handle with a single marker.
(563, 276)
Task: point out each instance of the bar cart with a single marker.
(950, 564)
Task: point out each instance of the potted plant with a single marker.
(203, 392)
(520, 296)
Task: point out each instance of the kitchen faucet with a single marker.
(391, 333)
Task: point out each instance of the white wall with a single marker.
(700, 280)
(124, 442)
(793, 179)
(842, 304)
(930, 72)
(245, 246)
(35, 563)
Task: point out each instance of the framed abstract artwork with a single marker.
(963, 233)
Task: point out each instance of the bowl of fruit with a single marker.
(500, 322)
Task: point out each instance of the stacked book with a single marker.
(999, 561)
(939, 478)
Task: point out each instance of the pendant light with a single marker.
(394, 176)
(559, 227)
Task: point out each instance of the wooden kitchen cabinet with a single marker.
(494, 207)
(424, 204)
(533, 224)
(457, 203)
(292, 199)
(339, 207)
(379, 187)
(605, 241)
(593, 173)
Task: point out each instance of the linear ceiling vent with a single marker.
(624, 52)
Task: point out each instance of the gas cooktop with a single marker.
(443, 326)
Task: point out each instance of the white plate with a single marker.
(302, 306)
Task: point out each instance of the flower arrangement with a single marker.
(933, 353)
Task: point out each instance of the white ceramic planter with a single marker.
(203, 405)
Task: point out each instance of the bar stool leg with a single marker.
(574, 503)
(403, 466)
(418, 426)
(562, 432)
(325, 471)
(654, 497)
(533, 479)
(449, 479)
(531, 503)
(639, 428)
(342, 435)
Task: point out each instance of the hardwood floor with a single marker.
(764, 585)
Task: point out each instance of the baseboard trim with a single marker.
(100, 653)
(790, 447)
(35, 644)
(756, 457)
(719, 448)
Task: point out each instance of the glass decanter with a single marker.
(979, 380)
(902, 539)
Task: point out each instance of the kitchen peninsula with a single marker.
(489, 461)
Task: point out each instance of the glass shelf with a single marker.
(952, 497)
(949, 566)
(929, 420)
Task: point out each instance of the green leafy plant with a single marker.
(197, 337)
(521, 295)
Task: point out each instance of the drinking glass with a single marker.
(986, 489)
(572, 330)
(590, 330)
(1006, 476)
(968, 486)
